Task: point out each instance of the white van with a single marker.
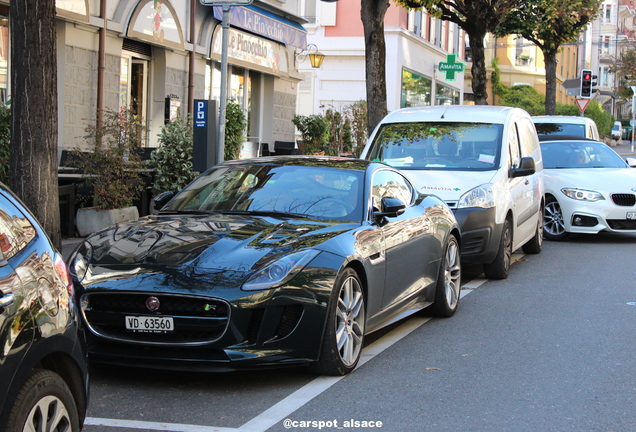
(484, 162)
(566, 125)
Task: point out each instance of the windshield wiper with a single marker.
(263, 213)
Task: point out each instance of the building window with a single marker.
(446, 95)
(607, 13)
(416, 90)
(605, 44)
(4, 59)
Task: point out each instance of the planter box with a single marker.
(90, 220)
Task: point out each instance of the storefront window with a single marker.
(416, 90)
(446, 96)
(4, 59)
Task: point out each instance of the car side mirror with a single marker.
(391, 207)
(631, 162)
(162, 199)
(526, 167)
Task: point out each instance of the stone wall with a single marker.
(284, 110)
(80, 93)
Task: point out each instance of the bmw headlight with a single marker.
(482, 196)
(80, 261)
(281, 271)
(582, 194)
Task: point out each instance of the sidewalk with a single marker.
(625, 148)
(69, 245)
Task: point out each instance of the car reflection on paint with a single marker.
(269, 261)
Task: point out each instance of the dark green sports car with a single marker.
(268, 261)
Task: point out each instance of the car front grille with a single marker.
(626, 200)
(197, 320)
(621, 224)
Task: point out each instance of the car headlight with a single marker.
(582, 194)
(281, 271)
(80, 261)
(482, 196)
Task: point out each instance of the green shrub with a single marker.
(172, 160)
(235, 125)
(315, 132)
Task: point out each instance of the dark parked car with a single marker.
(269, 261)
(43, 361)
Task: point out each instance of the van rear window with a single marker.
(438, 146)
(560, 129)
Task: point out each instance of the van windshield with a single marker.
(438, 146)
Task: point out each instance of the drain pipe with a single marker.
(193, 8)
(101, 66)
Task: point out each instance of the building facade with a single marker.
(415, 44)
(157, 56)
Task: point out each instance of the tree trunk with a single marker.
(33, 161)
(550, 82)
(373, 12)
(478, 70)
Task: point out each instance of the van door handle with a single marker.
(6, 300)
(527, 182)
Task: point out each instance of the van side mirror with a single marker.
(391, 207)
(162, 199)
(526, 168)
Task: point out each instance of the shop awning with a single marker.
(265, 23)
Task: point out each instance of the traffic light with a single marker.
(586, 83)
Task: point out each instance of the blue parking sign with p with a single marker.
(200, 113)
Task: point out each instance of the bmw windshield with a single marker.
(438, 146)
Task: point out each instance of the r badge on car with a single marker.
(152, 303)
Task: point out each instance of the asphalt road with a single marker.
(549, 349)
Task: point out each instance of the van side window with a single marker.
(527, 137)
(514, 152)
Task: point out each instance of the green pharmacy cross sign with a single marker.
(451, 66)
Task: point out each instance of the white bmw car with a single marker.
(589, 188)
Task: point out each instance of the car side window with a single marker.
(390, 184)
(527, 137)
(15, 229)
(514, 152)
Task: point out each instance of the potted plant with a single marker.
(235, 124)
(112, 168)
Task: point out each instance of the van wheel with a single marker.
(499, 268)
(553, 226)
(534, 245)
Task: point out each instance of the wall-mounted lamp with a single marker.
(315, 56)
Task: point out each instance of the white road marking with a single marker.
(300, 397)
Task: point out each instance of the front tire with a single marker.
(344, 332)
(553, 225)
(44, 403)
(449, 280)
(500, 267)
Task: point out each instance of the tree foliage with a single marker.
(549, 24)
(5, 142)
(625, 70)
(477, 18)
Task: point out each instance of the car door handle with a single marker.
(6, 300)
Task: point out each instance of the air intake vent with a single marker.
(626, 200)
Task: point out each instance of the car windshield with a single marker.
(560, 129)
(583, 154)
(278, 190)
(438, 146)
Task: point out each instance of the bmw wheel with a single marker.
(344, 334)
(500, 267)
(448, 281)
(553, 225)
(44, 404)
